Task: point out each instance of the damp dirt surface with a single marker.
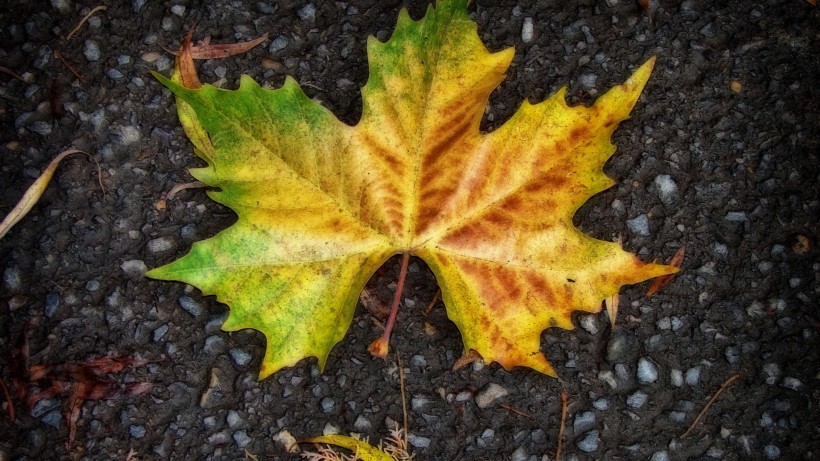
(720, 155)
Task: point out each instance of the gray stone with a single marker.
(660, 456)
(736, 216)
(178, 10)
(647, 371)
(601, 404)
(190, 306)
(233, 419)
(134, 267)
(328, 405)
(136, 431)
(772, 372)
(589, 443)
(693, 376)
(13, 279)
(638, 225)
(622, 347)
(792, 383)
(63, 6)
(278, 43)
(160, 245)
(160, 332)
(771, 452)
(362, 424)
(418, 442)
(520, 454)
(584, 422)
(92, 51)
(307, 13)
(637, 399)
(240, 357)
(241, 438)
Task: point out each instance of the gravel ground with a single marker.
(721, 156)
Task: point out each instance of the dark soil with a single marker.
(743, 157)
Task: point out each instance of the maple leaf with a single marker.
(321, 204)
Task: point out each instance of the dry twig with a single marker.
(518, 412)
(84, 19)
(723, 387)
(433, 302)
(71, 69)
(563, 423)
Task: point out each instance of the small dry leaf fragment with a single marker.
(34, 192)
(664, 280)
(205, 50)
(75, 381)
(736, 86)
(802, 244)
(395, 448)
(611, 304)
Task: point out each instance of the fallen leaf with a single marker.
(35, 191)
(322, 205)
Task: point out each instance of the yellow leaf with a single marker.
(322, 205)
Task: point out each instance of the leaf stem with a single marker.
(379, 347)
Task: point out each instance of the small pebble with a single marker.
(418, 442)
(792, 383)
(584, 422)
(178, 10)
(621, 347)
(362, 424)
(91, 51)
(520, 454)
(136, 431)
(134, 267)
(52, 418)
(676, 378)
(242, 439)
(773, 373)
(732, 354)
(637, 399)
(490, 394)
(233, 419)
(609, 378)
(660, 456)
(287, 441)
(160, 332)
(190, 306)
(667, 189)
(771, 452)
(328, 405)
(418, 402)
(736, 216)
(527, 30)
(240, 357)
(307, 13)
(589, 443)
(693, 376)
(647, 371)
(638, 225)
(278, 43)
(13, 279)
(160, 245)
(589, 323)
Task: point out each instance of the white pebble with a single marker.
(792, 383)
(490, 394)
(134, 267)
(159, 245)
(638, 225)
(239, 356)
(588, 323)
(647, 371)
(667, 188)
(584, 422)
(178, 10)
(693, 376)
(527, 30)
